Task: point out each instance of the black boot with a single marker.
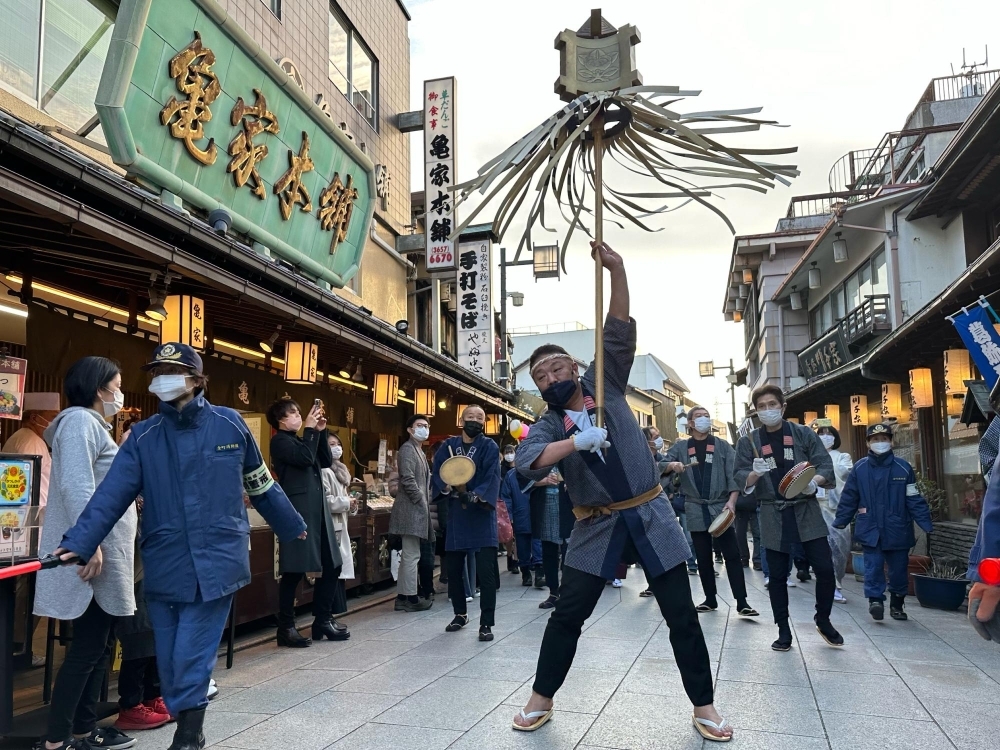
(323, 628)
(291, 638)
(829, 633)
(189, 735)
(525, 577)
(876, 608)
(784, 642)
(896, 607)
(539, 580)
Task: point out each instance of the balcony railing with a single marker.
(961, 86)
(867, 320)
(824, 204)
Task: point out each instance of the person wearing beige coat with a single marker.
(411, 517)
(336, 486)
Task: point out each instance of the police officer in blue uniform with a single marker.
(882, 493)
(192, 463)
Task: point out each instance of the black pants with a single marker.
(138, 682)
(324, 592)
(78, 684)
(425, 570)
(550, 565)
(486, 567)
(580, 593)
(726, 545)
(779, 564)
(747, 519)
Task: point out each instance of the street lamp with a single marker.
(707, 370)
(545, 264)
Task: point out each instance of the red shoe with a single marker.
(139, 718)
(159, 707)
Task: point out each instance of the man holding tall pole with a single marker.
(622, 513)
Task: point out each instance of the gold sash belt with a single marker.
(583, 512)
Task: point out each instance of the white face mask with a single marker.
(421, 433)
(770, 417)
(827, 441)
(703, 424)
(658, 443)
(880, 447)
(116, 404)
(169, 387)
(508, 457)
(337, 452)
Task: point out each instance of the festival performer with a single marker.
(762, 460)
(984, 614)
(882, 493)
(472, 519)
(622, 512)
(705, 466)
(191, 463)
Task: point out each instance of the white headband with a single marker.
(548, 357)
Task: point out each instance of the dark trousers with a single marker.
(875, 562)
(425, 570)
(579, 595)
(324, 592)
(779, 564)
(747, 519)
(78, 684)
(550, 565)
(138, 682)
(187, 645)
(726, 544)
(486, 567)
(526, 557)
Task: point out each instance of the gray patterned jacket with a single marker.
(588, 544)
(723, 483)
(806, 446)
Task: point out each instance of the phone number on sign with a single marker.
(440, 257)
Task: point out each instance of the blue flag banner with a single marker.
(975, 326)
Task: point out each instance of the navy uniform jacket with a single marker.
(513, 492)
(988, 536)
(475, 525)
(192, 467)
(882, 491)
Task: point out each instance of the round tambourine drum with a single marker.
(796, 480)
(722, 522)
(458, 471)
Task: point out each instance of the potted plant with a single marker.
(944, 585)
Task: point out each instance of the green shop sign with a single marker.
(191, 104)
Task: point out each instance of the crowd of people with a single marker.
(158, 526)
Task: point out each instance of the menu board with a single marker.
(18, 494)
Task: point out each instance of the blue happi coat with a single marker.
(191, 467)
(513, 492)
(882, 492)
(475, 525)
(988, 536)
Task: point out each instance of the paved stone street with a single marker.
(401, 681)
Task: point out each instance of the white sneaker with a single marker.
(468, 598)
(617, 583)
(839, 597)
(213, 690)
(792, 584)
(767, 581)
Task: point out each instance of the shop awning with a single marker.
(827, 388)
(85, 230)
(976, 408)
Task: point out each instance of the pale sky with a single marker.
(840, 75)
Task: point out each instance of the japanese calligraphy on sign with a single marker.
(191, 69)
(474, 308)
(980, 337)
(824, 355)
(859, 411)
(439, 173)
(182, 88)
(246, 154)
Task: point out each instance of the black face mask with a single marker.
(472, 429)
(559, 393)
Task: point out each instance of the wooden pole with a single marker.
(598, 129)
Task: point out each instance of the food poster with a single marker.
(12, 372)
(16, 491)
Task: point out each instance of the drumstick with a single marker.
(43, 563)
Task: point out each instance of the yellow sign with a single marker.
(14, 484)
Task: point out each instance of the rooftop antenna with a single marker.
(969, 70)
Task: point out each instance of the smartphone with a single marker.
(317, 403)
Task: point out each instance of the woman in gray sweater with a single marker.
(94, 595)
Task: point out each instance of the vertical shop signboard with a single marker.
(440, 218)
(474, 308)
(12, 374)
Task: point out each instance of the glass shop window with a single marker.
(963, 481)
(352, 67)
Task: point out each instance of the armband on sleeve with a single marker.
(258, 481)
(912, 491)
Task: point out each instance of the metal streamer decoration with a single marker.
(635, 126)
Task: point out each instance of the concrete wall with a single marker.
(930, 258)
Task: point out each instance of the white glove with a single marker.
(812, 488)
(760, 467)
(591, 439)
